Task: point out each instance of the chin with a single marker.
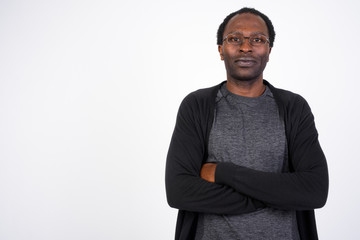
(245, 78)
(244, 74)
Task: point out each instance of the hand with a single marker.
(208, 172)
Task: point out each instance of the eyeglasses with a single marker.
(238, 39)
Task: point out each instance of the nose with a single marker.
(245, 46)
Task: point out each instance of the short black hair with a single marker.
(268, 22)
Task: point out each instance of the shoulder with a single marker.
(202, 97)
(205, 93)
(286, 97)
(293, 107)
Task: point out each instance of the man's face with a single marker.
(245, 62)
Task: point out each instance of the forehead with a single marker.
(246, 22)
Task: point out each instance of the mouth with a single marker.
(245, 62)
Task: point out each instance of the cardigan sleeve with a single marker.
(184, 188)
(305, 187)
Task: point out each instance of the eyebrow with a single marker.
(252, 33)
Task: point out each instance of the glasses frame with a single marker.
(248, 38)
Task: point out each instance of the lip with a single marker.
(245, 62)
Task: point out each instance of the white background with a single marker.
(89, 92)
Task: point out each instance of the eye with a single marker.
(258, 40)
(234, 39)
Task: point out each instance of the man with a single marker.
(244, 160)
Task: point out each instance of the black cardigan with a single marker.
(238, 190)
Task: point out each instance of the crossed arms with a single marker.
(226, 188)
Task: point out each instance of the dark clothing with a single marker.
(238, 189)
(249, 132)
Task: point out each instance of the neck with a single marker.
(246, 88)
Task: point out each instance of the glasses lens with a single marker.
(234, 39)
(257, 40)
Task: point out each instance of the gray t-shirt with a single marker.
(248, 132)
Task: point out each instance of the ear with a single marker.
(220, 49)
